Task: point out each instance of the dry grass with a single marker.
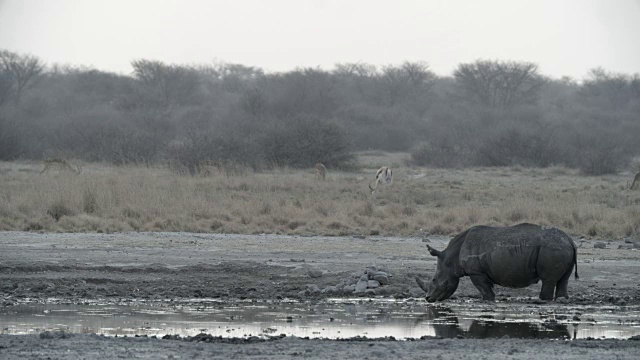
(421, 201)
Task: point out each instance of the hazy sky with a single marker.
(564, 37)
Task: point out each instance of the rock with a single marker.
(314, 273)
(372, 284)
(349, 288)
(313, 288)
(364, 277)
(373, 274)
(576, 318)
(625, 246)
(629, 241)
(371, 269)
(359, 236)
(382, 279)
(370, 292)
(330, 290)
(562, 300)
(361, 286)
(600, 245)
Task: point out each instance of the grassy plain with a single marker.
(421, 201)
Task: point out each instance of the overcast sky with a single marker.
(564, 37)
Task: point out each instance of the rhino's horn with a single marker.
(423, 285)
(433, 251)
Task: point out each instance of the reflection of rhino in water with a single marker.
(443, 320)
(446, 325)
(514, 256)
(491, 329)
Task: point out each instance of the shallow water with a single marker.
(330, 319)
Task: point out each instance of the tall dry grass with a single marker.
(421, 201)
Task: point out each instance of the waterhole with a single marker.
(329, 319)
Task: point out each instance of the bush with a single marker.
(10, 144)
(443, 155)
(59, 209)
(602, 156)
(520, 146)
(90, 200)
(302, 141)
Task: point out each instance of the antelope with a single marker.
(634, 184)
(384, 175)
(321, 171)
(210, 167)
(62, 164)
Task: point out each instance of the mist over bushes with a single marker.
(486, 113)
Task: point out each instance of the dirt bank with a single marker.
(98, 347)
(125, 266)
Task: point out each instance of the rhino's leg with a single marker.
(551, 270)
(485, 286)
(548, 288)
(563, 284)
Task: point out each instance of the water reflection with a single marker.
(446, 324)
(337, 319)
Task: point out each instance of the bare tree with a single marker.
(166, 85)
(254, 102)
(303, 91)
(500, 84)
(610, 90)
(234, 77)
(358, 76)
(20, 71)
(409, 81)
(6, 85)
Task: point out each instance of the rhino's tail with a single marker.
(575, 260)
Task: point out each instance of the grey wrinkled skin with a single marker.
(514, 256)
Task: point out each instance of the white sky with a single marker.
(564, 37)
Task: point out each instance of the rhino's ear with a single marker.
(433, 251)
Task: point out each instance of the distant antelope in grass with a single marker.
(384, 175)
(62, 164)
(634, 184)
(321, 171)
(210, 167)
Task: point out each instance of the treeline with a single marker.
(487, 113)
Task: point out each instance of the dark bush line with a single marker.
(488, 113)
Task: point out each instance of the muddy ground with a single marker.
(164, 266)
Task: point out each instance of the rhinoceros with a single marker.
(513, 256)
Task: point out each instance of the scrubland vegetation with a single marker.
(421, 201)
(230, 148)
(486, 113)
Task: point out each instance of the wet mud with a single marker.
(330, 319)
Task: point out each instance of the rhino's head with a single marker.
(445, 281)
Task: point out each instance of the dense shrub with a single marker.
(487, 113)
(11, 146)
(302, 141)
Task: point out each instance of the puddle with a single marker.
(332, 319)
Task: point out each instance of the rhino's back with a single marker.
(513, 256)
